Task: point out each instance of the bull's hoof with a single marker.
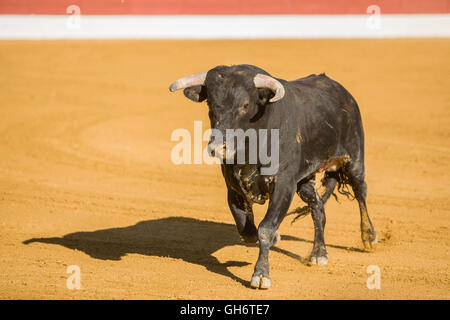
(260, 282)
(319, 255)
(276, 239)
(321, 261)
(369, 242)
(249, 238)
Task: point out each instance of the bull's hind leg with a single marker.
(306, 189)
(355, 173)
(329, 181)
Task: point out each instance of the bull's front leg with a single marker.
(243, 216)
(279, 203)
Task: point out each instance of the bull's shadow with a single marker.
(189, 239)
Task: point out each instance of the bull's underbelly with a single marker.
(256, 187)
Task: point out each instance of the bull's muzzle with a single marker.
(221, 151)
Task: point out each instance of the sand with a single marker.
(87, 180)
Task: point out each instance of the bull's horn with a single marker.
(263, 81)
(195, 79)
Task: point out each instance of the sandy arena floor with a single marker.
(86, 176)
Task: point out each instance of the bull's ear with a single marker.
(264, 95)
(195, 93)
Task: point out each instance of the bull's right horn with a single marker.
(195, 79)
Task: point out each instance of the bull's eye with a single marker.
(243, 109)
(220, 76)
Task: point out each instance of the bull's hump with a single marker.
(320, 81)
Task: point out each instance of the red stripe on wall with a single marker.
(174, 7)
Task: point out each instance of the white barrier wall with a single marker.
(223, 26)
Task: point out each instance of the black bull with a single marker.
(320, 129)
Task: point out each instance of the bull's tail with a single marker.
(300, 212)
(343, 183)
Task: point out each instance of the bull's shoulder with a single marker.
(321, 92)
(322, 85)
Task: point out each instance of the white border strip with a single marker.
(223, 26)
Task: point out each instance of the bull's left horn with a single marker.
(263, 81)
(195, 79)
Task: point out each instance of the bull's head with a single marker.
(235, 95)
